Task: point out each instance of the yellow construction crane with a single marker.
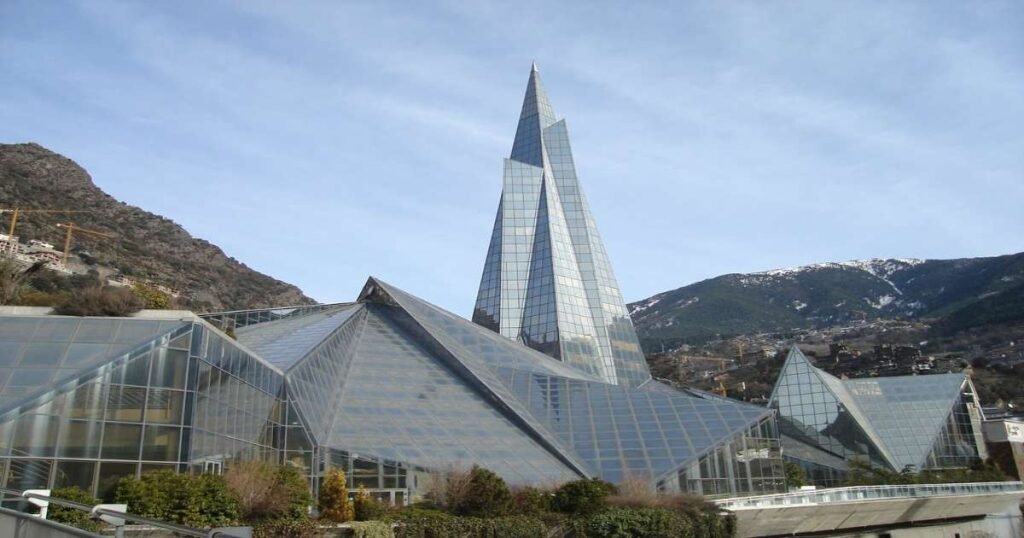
(15, 212)
(72, 229)
(723, 391)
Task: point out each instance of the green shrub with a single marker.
(368, 507)
(72, 516)
(165, 495)
(299, 527)
(655, 523)
(295, 488)
(215, 501)
(582, 496)
(639, 523)
(333, 497)
(372, 529)
(486, 495)
(442, 525)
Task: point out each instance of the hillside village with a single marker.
(72, 262)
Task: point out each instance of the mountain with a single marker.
(145, 246)
(952, 294)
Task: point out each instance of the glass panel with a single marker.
(110, 474)
(80, 439)
(169, 369)
(164, 406)
(75, 473)
(28, 474)
(35, 435)
(126, 403)
(161, 443)
(121, 441)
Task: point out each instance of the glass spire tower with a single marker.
(547, 281)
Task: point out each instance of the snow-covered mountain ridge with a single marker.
(826, 294)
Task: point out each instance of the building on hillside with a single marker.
(387, 388)
(896, 423)
(9, 245)
(547, 281)
(1005, 440)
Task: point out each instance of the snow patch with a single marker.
(641, 307)
(882, 302)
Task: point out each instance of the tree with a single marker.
(487, 495)
(333, 497)
(367, 507)
(795, 476)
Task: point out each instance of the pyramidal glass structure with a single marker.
(547, 281)
(917, 422)
(386, 388)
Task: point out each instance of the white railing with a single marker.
(868, 493)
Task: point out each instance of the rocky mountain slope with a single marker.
(146, 246)
(951, 294)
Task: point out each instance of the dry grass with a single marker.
(446, 489)
(636, 492)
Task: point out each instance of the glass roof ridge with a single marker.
(867, 401)
(483, 379)
(542, 363)
(839, 391)
(428, 345)
(297, 375)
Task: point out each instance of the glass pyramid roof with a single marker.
(907, 412)
(615, 430)
(900, 417)
(285, 341)
(401, 403)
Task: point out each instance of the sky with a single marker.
(321, 142)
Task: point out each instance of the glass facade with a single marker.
(547, 280)
(915, 422)
(388, 388)
(183, 398)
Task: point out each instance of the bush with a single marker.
(71, 516)
(179, 498)
(333, 497)
(442, 525)
(368, 507)
(97, 301)
(267, 491)
(287, 528)
(151, 297)
(582, 496)
(486, 495)
(215, 501)
(372, 529)
(656, 523)
(530, 501)
(638, 523)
